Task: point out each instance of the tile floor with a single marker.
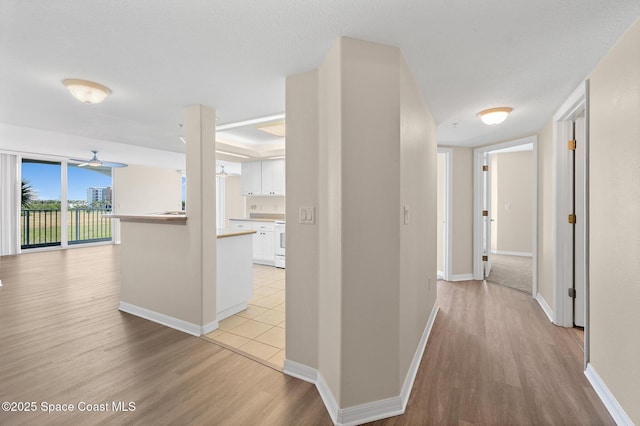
(258, 331)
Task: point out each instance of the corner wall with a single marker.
(359, 135)
(545, 214)
(462, 214)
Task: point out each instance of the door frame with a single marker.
(562, 235)
(575, 104)
(447, 233)
(478, 196)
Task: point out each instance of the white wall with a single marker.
(265, 204)
(440, 210)
(513, 213)
(614, 208)
(462, 213)
(546, 251)
(144, 189)
(372, 276)
(234, 203)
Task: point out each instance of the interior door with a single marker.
(579, 257)
(486, 215)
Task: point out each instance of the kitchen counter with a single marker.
(166, 217)
(232, 232)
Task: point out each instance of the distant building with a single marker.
(99, 197)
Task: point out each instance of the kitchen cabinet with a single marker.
(263, 177)
(251, 178)
(273, 177)
(263, 240)
(264, 243)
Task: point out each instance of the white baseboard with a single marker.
(512, 253)
(545, 306)
(370, 411)
(300, 371)
(617, 412)
(231, 311)
(175, 323)
(462, 277)
(208, 328)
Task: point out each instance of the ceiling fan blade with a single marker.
(112, 164)
(83, 164)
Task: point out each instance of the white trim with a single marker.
(462, 277)
(615, 409)
(300, 371)
(477, 205)
(512, 253)
(369, 411)
(208, 328)
(166, 320)
(545, 307)
(562, 236)
(231, 311)
(417, 358)
(448, 230)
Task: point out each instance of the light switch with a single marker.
(307, 215)
(406, 214)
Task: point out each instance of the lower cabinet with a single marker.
(263, 240)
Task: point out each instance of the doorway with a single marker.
(510, 255)
(444, 214)
(571, 219)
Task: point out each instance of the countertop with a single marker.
(255, 220)
(232, 232)
(150, 217)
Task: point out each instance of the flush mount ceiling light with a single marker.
(275, 129)
(86, 91)
(494, 116)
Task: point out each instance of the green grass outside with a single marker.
(45, 227)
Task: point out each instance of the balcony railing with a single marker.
(43, 228)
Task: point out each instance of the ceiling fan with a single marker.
(95, 162)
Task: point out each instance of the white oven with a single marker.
(280, 241)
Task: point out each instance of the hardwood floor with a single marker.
(493, 358)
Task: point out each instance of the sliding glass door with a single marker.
(40, 213)
(62, 204)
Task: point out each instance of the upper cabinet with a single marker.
(273, 177)
(252, 178)
(263, 177)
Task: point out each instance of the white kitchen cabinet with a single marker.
(264, 243)
(273, 177)
(252, 178)
(263, 177)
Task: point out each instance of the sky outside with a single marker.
(45, 180)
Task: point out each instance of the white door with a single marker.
(579, 271)
(486, 215)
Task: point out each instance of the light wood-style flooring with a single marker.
(493, 358)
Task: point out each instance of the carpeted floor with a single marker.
(512, 271)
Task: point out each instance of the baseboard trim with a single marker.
(231, 311)
(300, 371)
(462, 277)
(545, 307)
(208, 328)
(166, 320)
(417, 358)
(512, 253)
(617, 412)
(370, 411)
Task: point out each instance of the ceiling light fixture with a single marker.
(222, 173)
(494, 116)
(86, 91)
(275, 129)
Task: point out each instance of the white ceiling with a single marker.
(160, 56)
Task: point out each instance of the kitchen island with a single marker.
(173, 276)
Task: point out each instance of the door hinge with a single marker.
(572, 293)
(485, 258)
(572, 218)
(485, 212)
(485, 168)
(572, 145)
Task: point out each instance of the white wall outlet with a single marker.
(307, 215)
